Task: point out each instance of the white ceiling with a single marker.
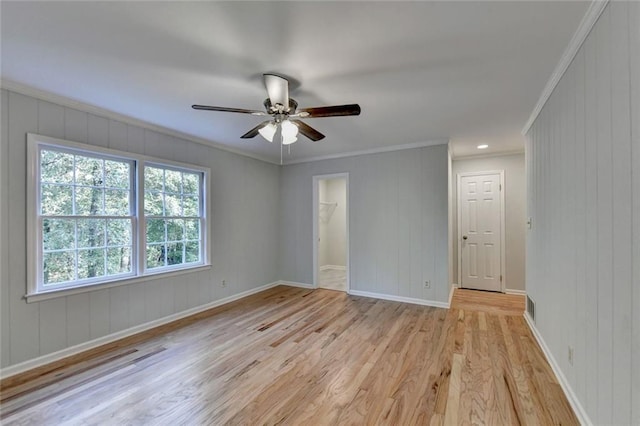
(470, 72)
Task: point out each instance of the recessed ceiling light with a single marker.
(483, 146)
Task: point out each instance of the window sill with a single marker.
(52, 294)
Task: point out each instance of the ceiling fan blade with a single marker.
(330, 111)
(254, 132)
(224, 109)
(278, 89)
(308, 131)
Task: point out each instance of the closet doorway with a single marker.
(331, 232)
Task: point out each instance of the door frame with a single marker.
(316, 194)
(503, 266)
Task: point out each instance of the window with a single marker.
(172, 215)
(102, 216)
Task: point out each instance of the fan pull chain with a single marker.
(281, 153)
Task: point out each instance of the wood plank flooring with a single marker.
(295, 356)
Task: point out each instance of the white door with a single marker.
(480, 227)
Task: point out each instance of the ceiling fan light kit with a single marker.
(285, 123)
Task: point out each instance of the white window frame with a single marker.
(35, 286)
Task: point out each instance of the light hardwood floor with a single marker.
(295, 356)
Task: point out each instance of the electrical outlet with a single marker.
(427, 284)
(570, 355)
(224, 283)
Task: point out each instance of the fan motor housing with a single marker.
(271, 109)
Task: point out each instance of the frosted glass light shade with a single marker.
(289, 132)
(268, 131)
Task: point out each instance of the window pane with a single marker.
(174, 253)
(91, 263)
(91, 233)
(118, 260)
(172, 181)
(153, 203)
(153, 178)
(56, 200)
(155, 231)
(58, 267)
(117, 174)
(175, 230)
(192, 229)
(118, 232)
(58, 234)
(192, 251)
(89, 201)
(56, 167)
(89, 171)
(155, 255)
(190, 183)
(116, 202)
(191, 207)
(172, 205)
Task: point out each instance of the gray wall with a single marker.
(583, 253)
(397, 223)
(244, 196)
(515, 206)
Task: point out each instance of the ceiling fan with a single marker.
(285, 123)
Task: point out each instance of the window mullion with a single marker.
(140, 220)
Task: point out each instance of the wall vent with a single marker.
(531, 308)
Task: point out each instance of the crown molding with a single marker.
(488, 155)
(588, 21)
(64, 101)
(442, 141)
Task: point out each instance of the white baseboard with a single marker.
(513, 291)
(295, 284)
(564, 383)
(453, 289)
(73, 350)
(336, 267)
(399, 299)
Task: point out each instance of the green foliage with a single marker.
(87, 244)
(82, 248)
(171, 194)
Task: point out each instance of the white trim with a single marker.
(369, 151)
(64, 101)
(517, 292)
(503, 265)
(403, 299)
(315, 191)
(488, 155)
(46, 295)
(335, 267)
(73, 350)
(34, 288)
(564, 383)
(295, 284)
(588, 21)
(453, 289)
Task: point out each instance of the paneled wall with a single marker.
(397, 221)
(515, 217)
(244, 196)
(583, 253)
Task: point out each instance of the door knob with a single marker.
(464, 237)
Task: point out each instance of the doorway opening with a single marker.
(331, 232)
(481, 230)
